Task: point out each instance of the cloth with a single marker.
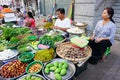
(105, 31)
(66, 23)
(98, 49)
(31, 22)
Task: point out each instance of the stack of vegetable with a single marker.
(9, 32)
(50, 40)
(3, 44)
(15, 37)
(44, 55)
(59, 69)
(31, 77)
(13, 69)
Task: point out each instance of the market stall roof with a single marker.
(1, 15)
(7, 10)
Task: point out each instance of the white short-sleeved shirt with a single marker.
(63, 23)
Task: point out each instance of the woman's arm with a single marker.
(92, 37)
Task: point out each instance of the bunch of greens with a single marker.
(8, 32)
(50, 40)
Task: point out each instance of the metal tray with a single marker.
(15, 54)
(14, 78)
(37, 75)
(70, 72)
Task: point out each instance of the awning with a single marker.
(5, 2)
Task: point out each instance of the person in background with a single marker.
(19, 14)
(103, 35)
(30, 21)
(1, 8)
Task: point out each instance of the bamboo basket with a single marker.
(62, 52)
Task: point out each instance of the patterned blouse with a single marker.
(105, 31)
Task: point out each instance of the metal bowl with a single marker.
(37, 75)
(70, 72)
(13, 78)
(12, 57)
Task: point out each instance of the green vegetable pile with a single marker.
(50, 40)
(59, 69)
(30, 77)
(3, 44)
(9, 32)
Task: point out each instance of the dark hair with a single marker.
(61, 10)
(5, 6)
(30, 15)
(110, 12)
(18, 9)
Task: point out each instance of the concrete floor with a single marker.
(110, 70)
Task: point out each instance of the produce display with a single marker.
(79, 24)
(26, 57)
(23, 48)
(59, 69)
(29, 77)
(34, 44)
(79, 41)
(50, 40)
(9, 32)
(7, 54)
(3, 44)
(35, 68)
(48, 25)
(12, 45)
(75, 30)
(15, 40)
(44, 55)
(13, 69)
(67, 51)
(41, 46)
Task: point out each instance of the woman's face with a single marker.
(105, 15)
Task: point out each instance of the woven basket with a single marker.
(62, 51)
(80, 26)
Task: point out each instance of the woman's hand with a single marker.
(91, 38)
(98, 40)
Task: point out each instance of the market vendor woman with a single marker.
(103, 35)
(62, 23)
(30, 21)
